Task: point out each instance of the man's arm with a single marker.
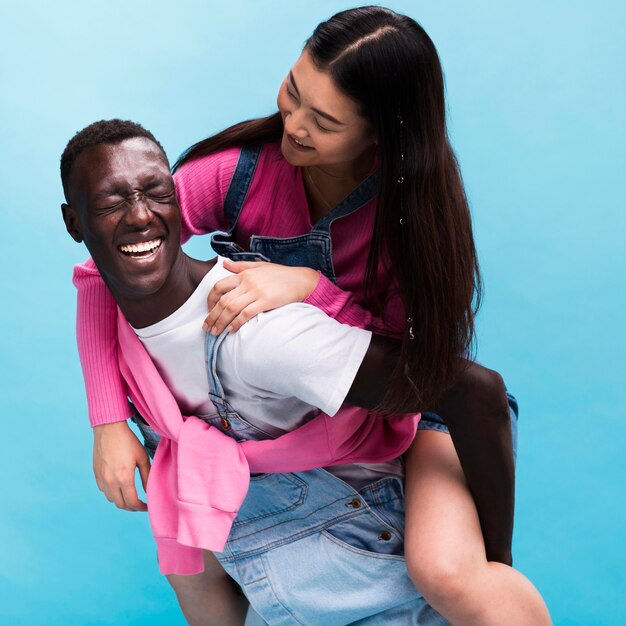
(325, 363)
(476, 412)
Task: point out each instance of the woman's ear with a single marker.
(72, 222)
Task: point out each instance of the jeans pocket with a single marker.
(364, 548)
(323, 581)
(150, 437)
(368, 535)
(270, 495)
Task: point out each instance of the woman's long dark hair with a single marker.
(388, 65)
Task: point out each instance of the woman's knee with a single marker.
(440, 577)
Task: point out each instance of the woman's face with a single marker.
(322, 126)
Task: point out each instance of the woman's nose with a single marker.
(295, 123)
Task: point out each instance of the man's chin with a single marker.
(139, 290)
(134, 282)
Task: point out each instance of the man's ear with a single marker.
(72, 222)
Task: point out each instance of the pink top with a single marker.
(200, 476)
(275, 206)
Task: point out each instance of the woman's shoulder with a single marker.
(223, 163)
(214, 163)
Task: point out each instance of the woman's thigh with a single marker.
(443, 534)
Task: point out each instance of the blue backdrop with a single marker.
(536, 101)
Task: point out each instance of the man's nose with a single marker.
(138, 213)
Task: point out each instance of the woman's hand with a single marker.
(255, 287)
(116, 454)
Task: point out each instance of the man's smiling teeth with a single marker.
(143, 246)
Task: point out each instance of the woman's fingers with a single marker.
(122, 492)
(116, 454)
(230, 282)
(131, 501)
(240, 266)
(246, 314)
(220, 288)
(267, 285)
(227, 309)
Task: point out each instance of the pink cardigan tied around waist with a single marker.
(200, 476)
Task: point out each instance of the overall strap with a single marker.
(240, 183)
(365, 192)
(216, 391)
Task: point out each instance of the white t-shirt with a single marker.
(277, 370)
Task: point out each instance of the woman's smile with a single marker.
(294, 143)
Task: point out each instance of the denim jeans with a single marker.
(307, 548)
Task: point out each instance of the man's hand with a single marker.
(116, 453)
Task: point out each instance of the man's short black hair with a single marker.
(104, 131)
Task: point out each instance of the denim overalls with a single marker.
(313, 249)
(307, 548)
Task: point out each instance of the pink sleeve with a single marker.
(343, 306)
(201, 187)
(96, 335)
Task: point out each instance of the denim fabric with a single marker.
(150, 437)
(313, 249)
(397, 617)
(307, 548)
(432, 421)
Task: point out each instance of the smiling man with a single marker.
(266, 381)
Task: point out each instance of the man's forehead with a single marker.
(126, 160)
(136, 152)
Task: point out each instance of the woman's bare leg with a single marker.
(444, 546)
(211, 598)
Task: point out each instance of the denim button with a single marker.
(355, 503)
(225, 424)
(385, 535)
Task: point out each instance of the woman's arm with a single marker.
(345, 308)
(116, 449)
(201, 188)
(96, 336)
(256, 287)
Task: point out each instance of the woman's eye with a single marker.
(291, 94)
(323, 128)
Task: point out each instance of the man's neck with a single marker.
(181, 282)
